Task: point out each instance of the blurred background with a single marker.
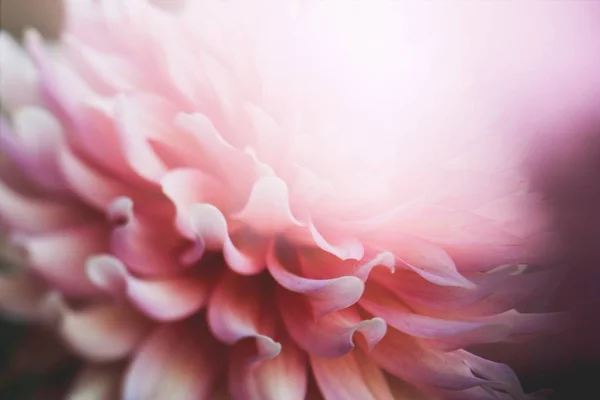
(568, 363)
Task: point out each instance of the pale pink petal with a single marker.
(32, 144)
(332, 335)
(429, 261)
(283, 377)
(269, 138)
(19, 79)
(101, 332)
(246, 256)
(325, 295)
(238, 309)
(59, 257)
(106, 72)
(177, 362)
(351, 376)
(268, 210)
(95, 188)
(188, 186)
(97, 383)
(149, 245)
(37, 215)
(235, 166)
(136, 122)
(343, 247)
(162, 300)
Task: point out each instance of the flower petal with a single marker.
(283, 377)
(20, 297)
(246, 257)
(351, 376)
(445, 334)
(162, 300)
(60, 256)
(38, 215)
(238, 309)
(405, 357)
(326, 295)
(97, 383)
(149, 245)
(188, 186)
(430, 261)
(19, 79)
(32, 144)
(268, 210)
(178, 361)
(331, 335)
(103, 332)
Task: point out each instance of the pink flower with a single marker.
(204, 199)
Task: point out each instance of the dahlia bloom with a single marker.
(266, 200)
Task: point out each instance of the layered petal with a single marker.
(160, 299)
(178, 361)
(351, 376)
(283, 377)
(238, 309)
(332, 335)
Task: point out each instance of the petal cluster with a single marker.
(199, 214)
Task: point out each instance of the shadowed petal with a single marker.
(445, 334)
(331, 335)
(351, 376)
(97, 383)
(405, 357)
(283, 377)
(149, 245)
(20, 297)
(238, 310)
(177, 362)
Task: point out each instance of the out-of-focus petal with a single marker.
(97, 383)
(38, 215)
(351, 376)
(20, 296)
(163, 300)
(101, 332)
(32, 143)
(18, 81)
(60, 256)
(179, 362)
